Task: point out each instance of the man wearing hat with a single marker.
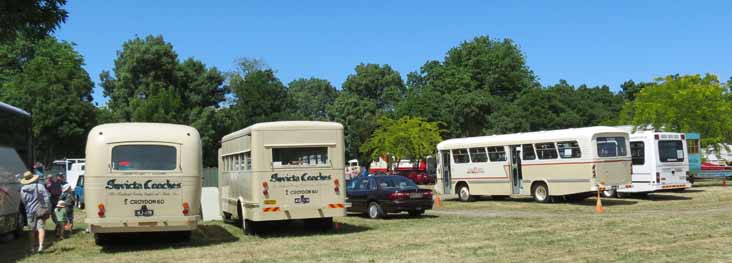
(36, 200)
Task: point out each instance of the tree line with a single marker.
(482, 86)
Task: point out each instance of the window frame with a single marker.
(578, 148)
(325, 163)
(485, 155)
(501, 153)
(523, 151)
(617, 146)
(677, 160)
(642, 157)
(453, 155)
(178, 157)
(540, 152)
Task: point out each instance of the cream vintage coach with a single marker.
(569, 162)
(142, 177)
(282, 171)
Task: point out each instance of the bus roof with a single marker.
(519, 138)
(283, 125)
(143, 131)
(8, 107)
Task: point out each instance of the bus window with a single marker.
(671, 151)
(460, 156)
(248, 161)
(478, 155)
(693, 145)
(497, 154)
(611, 146)
(637, 151)
(528, 152)
(546, 151)
(569, 149)
(300, 156)
(144, 157)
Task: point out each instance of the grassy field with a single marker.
(693, 226)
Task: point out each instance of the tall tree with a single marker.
(31, 18)
(379, 83)
(150, 84)
(689, 103)
(260, 97)
(311, 97)
(54, 87)
(469, 85)
(359, 118)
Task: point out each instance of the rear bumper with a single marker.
(407, 205)
(152, 224)
(285, 213)
(646, 187)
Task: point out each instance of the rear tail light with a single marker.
(101, 210)
(658, 177)
(186, 208)
(337, 187)
(398, 196)
(265, 188)
(427, 194)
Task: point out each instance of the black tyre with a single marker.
(608, 193)
(101, 239)
(375, 211)
(249, 227)
(416, 213)
(464, 193)
(540, 192)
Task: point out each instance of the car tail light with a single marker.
(265, 188)
(186, 208)
(658, 177)
(101, 210)
(427, 194)
(398, 196)
(337, 187)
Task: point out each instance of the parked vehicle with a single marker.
(417, 177)
(69, 168)
(15, 158)
(79, 192)
(380, 195)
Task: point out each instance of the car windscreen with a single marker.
(396, 182)
(671, 151)
(144, 157)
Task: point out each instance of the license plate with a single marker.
(144, 212)
(415, 195)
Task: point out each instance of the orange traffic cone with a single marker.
(438, 202)
(598, 206)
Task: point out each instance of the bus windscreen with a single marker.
(671, 151)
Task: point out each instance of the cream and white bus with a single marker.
(282, 171)
(659, 162)
(569, 162)
(143, 177)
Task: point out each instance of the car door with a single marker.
(358, 193)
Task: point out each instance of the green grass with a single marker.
(693, 226)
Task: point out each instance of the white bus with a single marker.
(569, 162)
(71, 169)
(659, 162)
(16, 156)
(143, 177)
(281, 171)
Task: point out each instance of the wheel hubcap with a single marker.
(372, 211)
(464, 193)
(541, 193)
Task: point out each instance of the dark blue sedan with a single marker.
(378, 196)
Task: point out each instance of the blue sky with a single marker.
(590, 42)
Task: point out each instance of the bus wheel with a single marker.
(249, 227)
(375, 211)
(464, 193)
(540, 192)
(610, 193)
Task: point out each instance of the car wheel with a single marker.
(375, 211)
(464, 193)
(540, 192)
(416, 212)
(609, 193)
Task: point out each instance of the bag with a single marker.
(41, 212)
(67, 227)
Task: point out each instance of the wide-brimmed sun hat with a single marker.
(61, 204)
(28, 178)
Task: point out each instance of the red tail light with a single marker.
(186, 208)
(337, 188)
(398, 196)
(427, 194)
(658, 177)
(265, 188)
(100, 213)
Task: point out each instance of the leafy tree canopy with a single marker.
(260, 97)
(379, 83)
(33, 19)
(405, 138)
(311, 97)
(359, 116)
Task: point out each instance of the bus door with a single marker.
(446, 178)
(516, 176)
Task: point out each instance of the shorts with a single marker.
(35, 223)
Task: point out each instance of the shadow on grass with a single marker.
(605, 202)
(662, 197)
(205, 235)
(297, 228)
(14, 250)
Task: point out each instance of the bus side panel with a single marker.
(561, 178)
(489, 178)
